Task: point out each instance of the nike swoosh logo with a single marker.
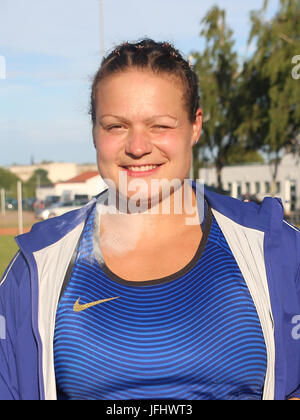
(78, 308)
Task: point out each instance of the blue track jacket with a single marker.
(266, 248)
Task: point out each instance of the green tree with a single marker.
(38, 179)
(240, 155)
(217, 69)
(271, 107)
(8, 181)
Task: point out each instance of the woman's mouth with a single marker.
(141, 170)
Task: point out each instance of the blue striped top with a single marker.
(194, 335)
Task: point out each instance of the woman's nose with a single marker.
(138, 143)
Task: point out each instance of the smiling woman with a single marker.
(145, 98)
(149, 135)
(114, 301)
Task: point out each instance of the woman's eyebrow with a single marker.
(161, 116)
(113, 116)
(147, 120)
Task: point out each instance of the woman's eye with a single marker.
(114, 127)
(161, 127)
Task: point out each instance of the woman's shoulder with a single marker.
(50, 231)
(265, 215)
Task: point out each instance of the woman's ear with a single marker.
(197, 126)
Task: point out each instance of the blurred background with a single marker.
(247, 57)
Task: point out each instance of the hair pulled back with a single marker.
(158, 57)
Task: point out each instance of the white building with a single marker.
(256, 179)
(57, 171)
(86, 184)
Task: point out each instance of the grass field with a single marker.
(8, 230)
(8, 248)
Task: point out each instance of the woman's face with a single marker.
(142, 130)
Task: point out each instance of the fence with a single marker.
(294, 218)
(20, 206)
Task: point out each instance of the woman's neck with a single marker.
(121, 231)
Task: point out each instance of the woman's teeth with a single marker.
(142, 168)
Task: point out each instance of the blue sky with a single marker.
(52, 48)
